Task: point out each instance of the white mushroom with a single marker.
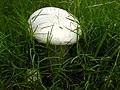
(55, 26)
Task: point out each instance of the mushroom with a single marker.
(54, 26)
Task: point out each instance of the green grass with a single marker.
(93, 62)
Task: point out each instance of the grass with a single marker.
(93, 63)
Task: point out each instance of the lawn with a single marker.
(93, 63)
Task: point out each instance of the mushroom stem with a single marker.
(60, 53)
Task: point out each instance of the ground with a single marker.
(93, 63)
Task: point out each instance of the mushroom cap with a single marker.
(55, 26)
